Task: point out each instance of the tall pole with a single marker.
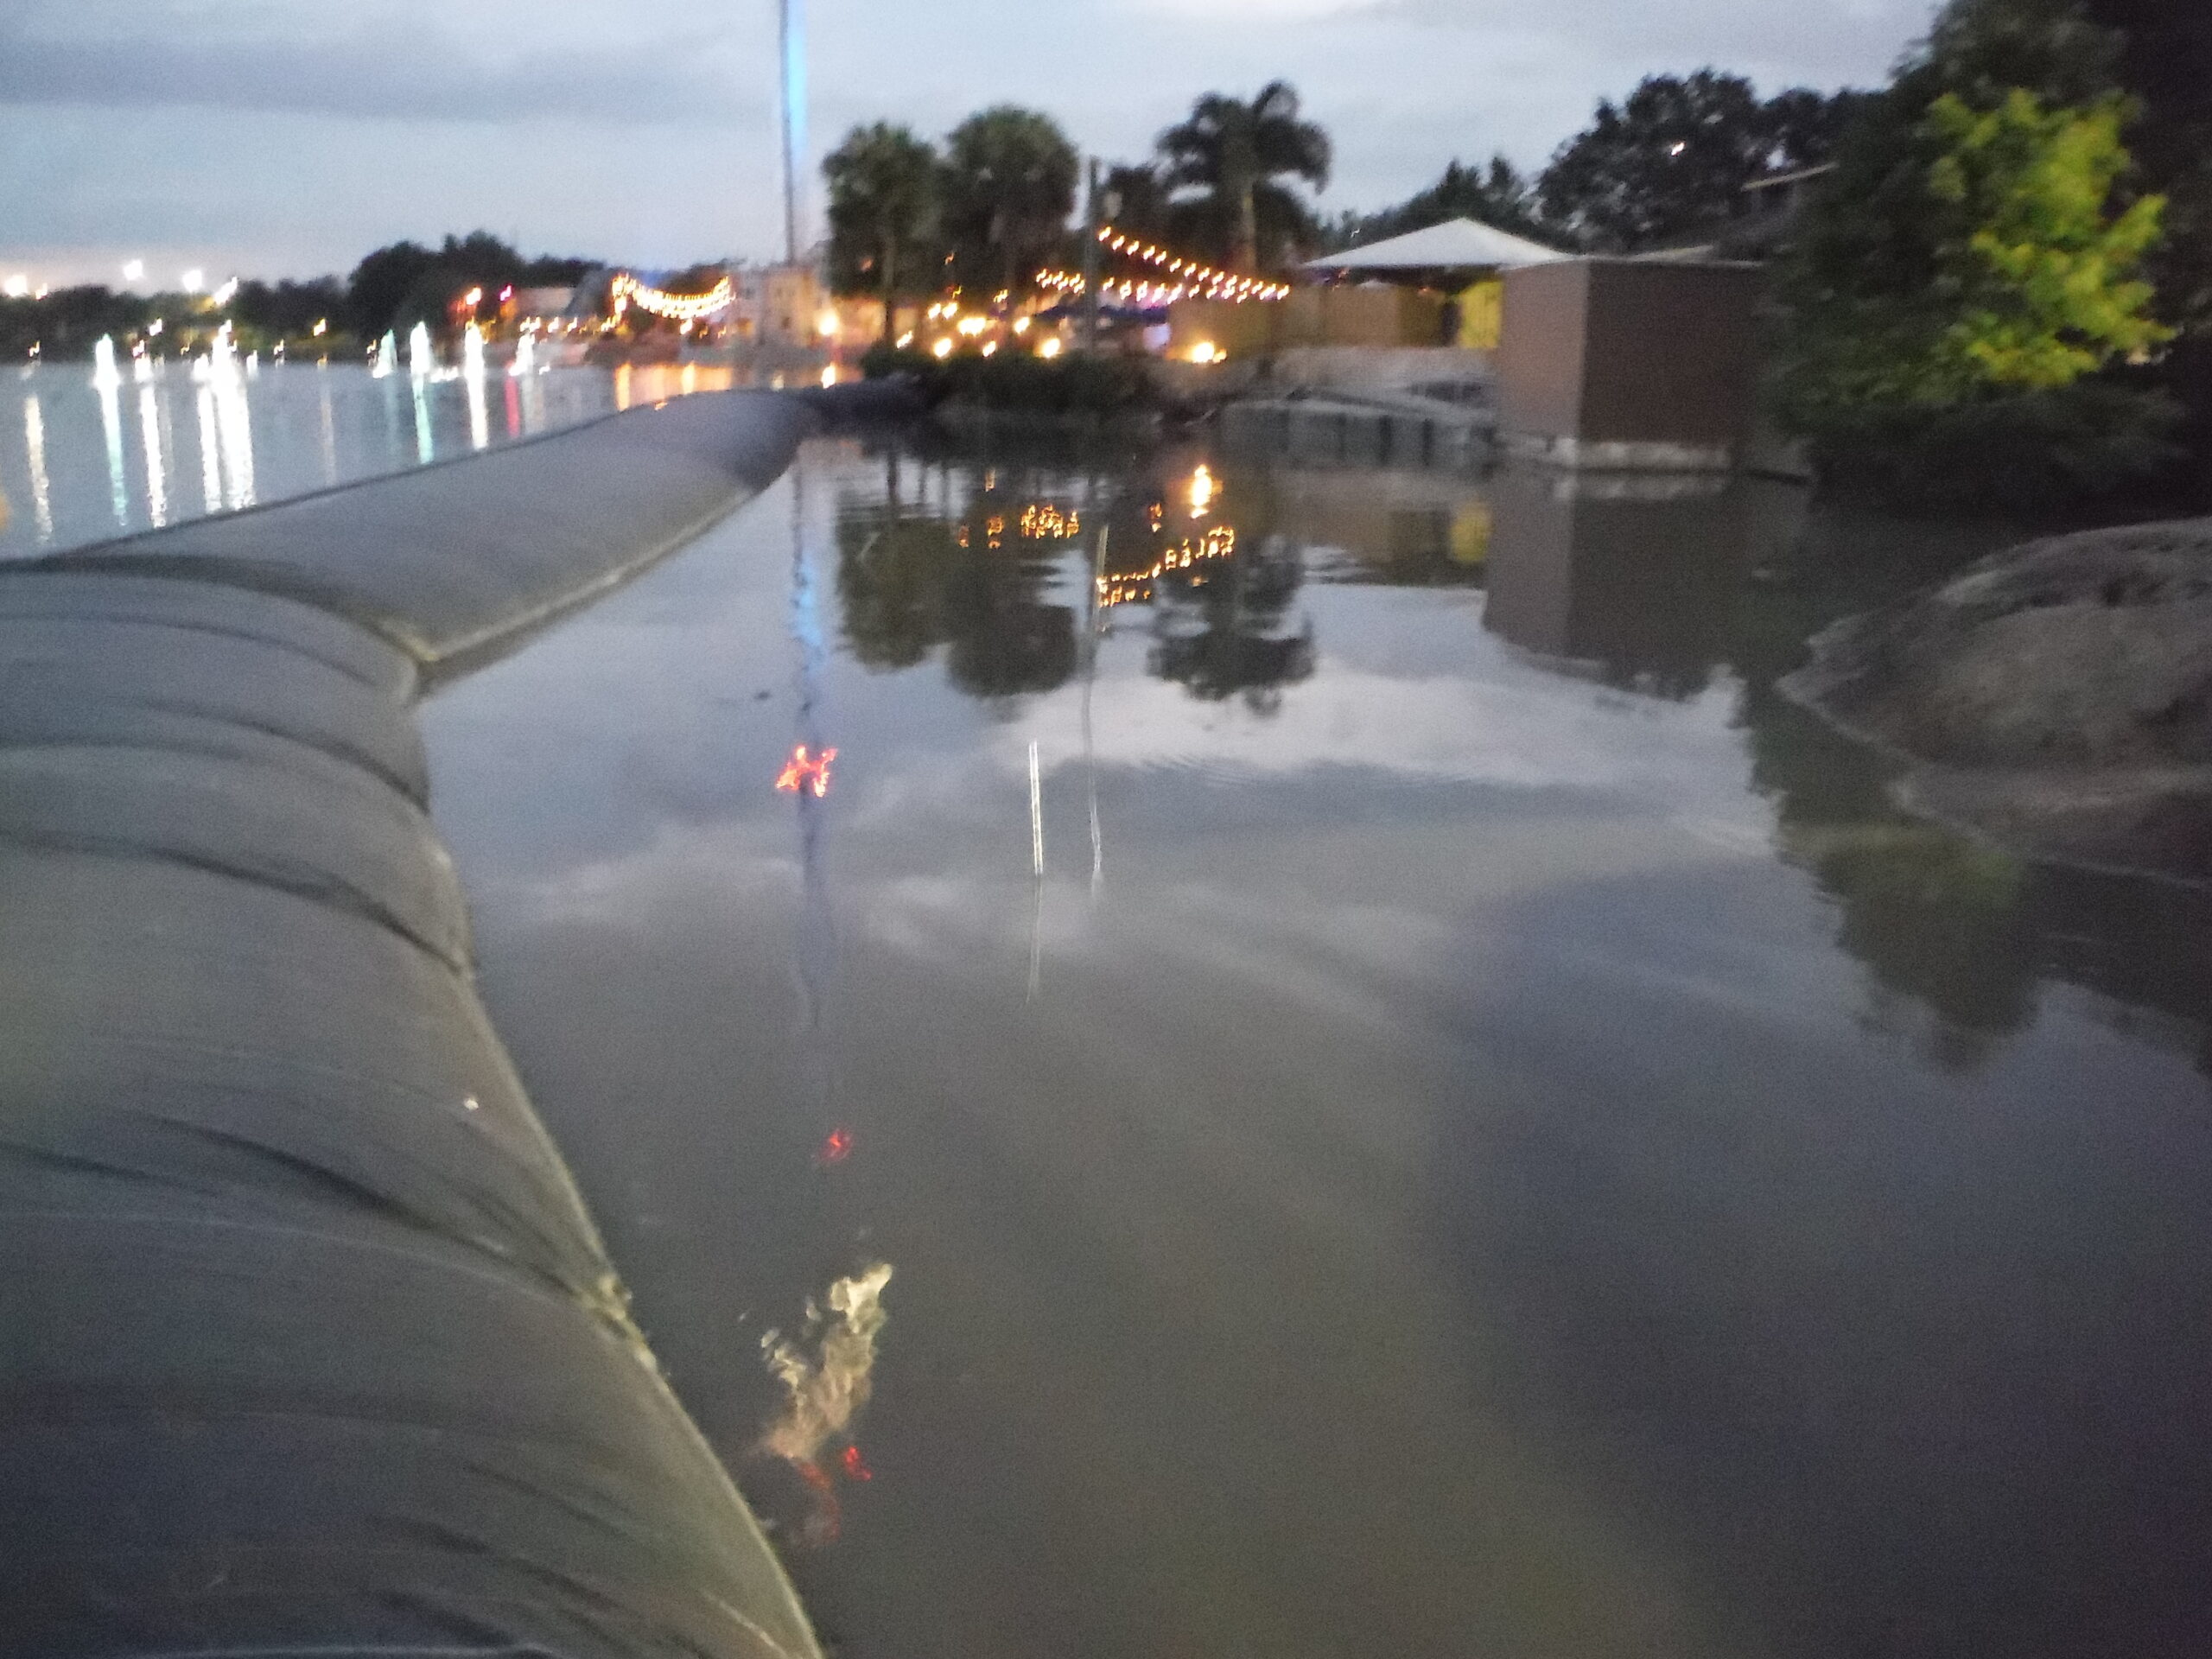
(793, 55)
(1092, 220)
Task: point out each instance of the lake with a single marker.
(1487, 1134)
(172, 440)
(1328, 1070)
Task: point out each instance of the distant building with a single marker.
(541, 304)
(779, 305)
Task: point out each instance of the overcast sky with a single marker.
(288, 137)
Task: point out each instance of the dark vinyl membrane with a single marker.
(309, 1343)
(1489, 1136)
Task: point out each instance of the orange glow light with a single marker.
(855, 1465)
(837, 1149)
(804, 772)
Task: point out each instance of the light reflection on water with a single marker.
(212, 436)
(1527, 1152)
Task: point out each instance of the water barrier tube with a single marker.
(308, 1345)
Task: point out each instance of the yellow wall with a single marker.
(1481, 311)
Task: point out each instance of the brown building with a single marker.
(1644, 365)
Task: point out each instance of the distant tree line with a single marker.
(404, 284)
(395, 287)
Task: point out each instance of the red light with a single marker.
(807, 771)
(855, 1466)
(837, 1149)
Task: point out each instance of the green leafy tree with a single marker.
(2166, 64)
(1136, 198)
(381, 284)
(1967, 280)
(67, 321)
(883, 210)
(1238, 155)
(267, 311)
(1497, 196)
(1671, 160)
(1009, 183)
(2041, 275)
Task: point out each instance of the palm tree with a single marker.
(883, 204)
(1236, 151)
(1009, 184)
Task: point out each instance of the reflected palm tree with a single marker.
(1202, 550)
(892, 568)
(911, 580)
(1221, 633)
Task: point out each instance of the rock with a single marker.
(2056, 697)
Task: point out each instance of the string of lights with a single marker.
(627, 290)
(1139, 587)
(1219, 285)
(1144, 293)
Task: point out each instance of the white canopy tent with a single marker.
(1457, 245)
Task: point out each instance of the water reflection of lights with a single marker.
(107, 383)
(425, 444)
(211, 459)
(828, 1373)
(234, 420)
(1139, 586)
(35, 446)
(329, 432)
(1043, 521)
(1203, 490)
(806, 773)
(150, 436)
(472, 369)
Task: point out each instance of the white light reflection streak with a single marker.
(41, 490)
(234, 417)
(329, 431)
(211, 450)
(107, 383)
(425, 451)
(149, 435)
(472, 368)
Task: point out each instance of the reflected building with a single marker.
(1635, 574)
(1400, 528)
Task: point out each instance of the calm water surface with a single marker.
(1486, 1137)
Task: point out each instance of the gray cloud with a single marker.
(315, 127)
(405, 76)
